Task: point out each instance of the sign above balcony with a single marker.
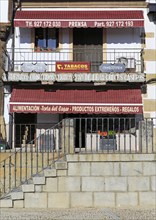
(62, 67)
(108, 68)
(30, 67)
(73, 77)
(79, 19)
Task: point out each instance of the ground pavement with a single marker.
(78, 214)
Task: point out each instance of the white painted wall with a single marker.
(4, 10)
(151, 92)
(23, 38)
(123, 38)
(7, 96)
(151, 1)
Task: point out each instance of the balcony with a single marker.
(110, 63)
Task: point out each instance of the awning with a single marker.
(76, 101)
(78, 19)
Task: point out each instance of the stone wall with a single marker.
(92, 180)
(106, 181)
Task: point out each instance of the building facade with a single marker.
(5, 27)
(79, 59)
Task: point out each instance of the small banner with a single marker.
(62, 67)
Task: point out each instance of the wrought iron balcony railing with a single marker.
(30, 60)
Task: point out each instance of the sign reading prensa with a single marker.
(62, 67)
(85, 23)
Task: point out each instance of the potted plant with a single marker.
(37, 49)
(107, 140)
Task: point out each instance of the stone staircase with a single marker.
(36, 189)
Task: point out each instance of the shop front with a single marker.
(94, 114)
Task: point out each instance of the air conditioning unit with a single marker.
(129, 63)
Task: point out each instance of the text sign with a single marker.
(79, 23)
(84, 109)
(108, 68)
(74, 77)
(72, 67)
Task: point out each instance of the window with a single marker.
(46, 38)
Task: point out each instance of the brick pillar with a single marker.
(146, 136)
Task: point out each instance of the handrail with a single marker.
(21, 165)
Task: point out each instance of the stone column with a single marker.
(146, 136)
(68, 135)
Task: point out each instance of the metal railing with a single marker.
(31, 158)
(30, 60)
(104, 135)
(89, 134)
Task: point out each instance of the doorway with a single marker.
(25, 128)
(88, 45)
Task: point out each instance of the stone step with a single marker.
(61, 165)
(16, 198)
(39, 180)
(6, 203)
(18, 204)
(17, 195)
(50, 172)
(28, 188)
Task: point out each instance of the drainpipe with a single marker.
(15, 7)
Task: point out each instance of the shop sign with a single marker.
(72, 67)
(108, 68)
(82, 109)
(74, 77)
(100, 23)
